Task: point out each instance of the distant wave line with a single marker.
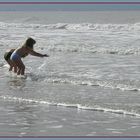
(96, 3)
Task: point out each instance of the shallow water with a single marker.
(89, 86)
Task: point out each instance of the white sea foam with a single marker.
(124, 85)
(73, 38)
(78, 106)
(92, 49)
(113, 84)
(75, 27)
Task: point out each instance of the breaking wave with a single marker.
(76, 27)
(78, 106)
(95, 50)
(113, 84)
(124, 85)
(64, 41)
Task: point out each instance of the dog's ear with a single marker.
(30, 42)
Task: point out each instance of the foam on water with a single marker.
(94, 50)
(119, 39)
(78, 106)
(124, 85)
(120, 85)
(112, 84)
(75, 27)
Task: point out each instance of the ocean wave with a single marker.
(95, 50)
(124, 85)
(113, 84)
(78, 106)
(75, 43)
(75, 27)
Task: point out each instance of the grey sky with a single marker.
(70, 0)
(62, 7)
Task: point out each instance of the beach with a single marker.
(90, 84)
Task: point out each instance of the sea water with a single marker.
(90, 84)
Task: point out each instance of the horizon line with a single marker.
(96, 3)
